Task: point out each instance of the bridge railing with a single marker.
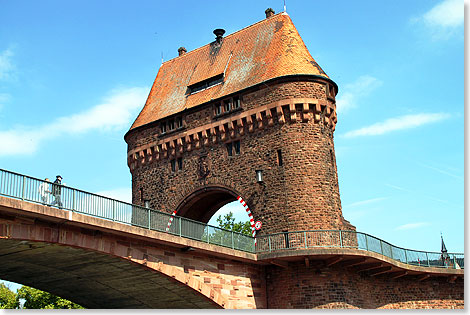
(39, 191)
(355, 240)
(35, 190)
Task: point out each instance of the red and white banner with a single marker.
(252, 221)
(170, 221)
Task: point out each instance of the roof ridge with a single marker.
(243, 29)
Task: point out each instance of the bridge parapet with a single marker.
(27, 188)
(43, 238)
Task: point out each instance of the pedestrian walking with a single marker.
(56, 191)
(44, 191)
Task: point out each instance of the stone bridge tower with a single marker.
(251, 103)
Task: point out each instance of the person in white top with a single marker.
(44, 191)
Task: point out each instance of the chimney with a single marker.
(219, 33)
(269, 12)
(181, 51)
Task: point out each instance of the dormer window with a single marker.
(205, 84)
(171, 124)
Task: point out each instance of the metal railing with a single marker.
(32, 189)
(355, 240)
(35, 190)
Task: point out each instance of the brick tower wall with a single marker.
(296, 118)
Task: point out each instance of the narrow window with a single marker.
(236, 102)
(218, 108)
(236, 144)
(227, 106)
(180, 163)
(229, 149)
(179, 122)
(279, 157)
(171, 124)
(163, 127)
(173, 165)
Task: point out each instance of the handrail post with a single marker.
(367, 243)
(340, 239)
(180, 225)
(269, 242)
(208, 242)
(381, 248)
(305, 239)
(149, 219)
(427, 258)
(114, 210)
(22, 192)
(73, 200)
(406, 257)
(233, 247)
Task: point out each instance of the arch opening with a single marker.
(206, 204)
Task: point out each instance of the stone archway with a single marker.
(203, 203)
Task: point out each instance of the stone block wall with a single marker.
(301, 287)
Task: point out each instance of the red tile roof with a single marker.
(265, 50)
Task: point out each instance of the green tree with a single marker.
(37, 299)
(8, 298)
(228, 222)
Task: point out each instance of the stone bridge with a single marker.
(103, 264)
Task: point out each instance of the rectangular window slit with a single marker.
(279, 157)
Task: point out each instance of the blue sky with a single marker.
(75, 74)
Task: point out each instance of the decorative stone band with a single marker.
(296, 110)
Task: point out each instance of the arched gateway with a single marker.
(250, 114)
(203, 203)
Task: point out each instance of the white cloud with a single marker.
(352, 92)
(6, 65)
(397, 123)
(442, 171)
(410, 226)
(444, 18)
(114, 113)
(448, 13)
(365, 202)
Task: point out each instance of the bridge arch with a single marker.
(71, 254)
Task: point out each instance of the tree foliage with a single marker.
(37, 299)
(8, 298)
(228, 222)
(32, 298)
